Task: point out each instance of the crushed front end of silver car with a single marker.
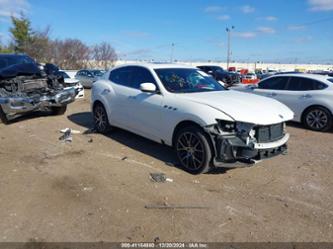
(246, 143)
(25, 88)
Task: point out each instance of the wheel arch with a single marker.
(181, 125)
(314, 106)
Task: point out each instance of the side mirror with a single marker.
(148, 87)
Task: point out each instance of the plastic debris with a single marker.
(72, 131)
(67, 137)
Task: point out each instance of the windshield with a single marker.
(10, 60)
(187, 80)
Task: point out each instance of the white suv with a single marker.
(183, 107)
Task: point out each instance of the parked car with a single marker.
(69, 82)
(25, 87)
(88, 77)
(309, 96)
(250, 76)
(220, 74)
(184, 107)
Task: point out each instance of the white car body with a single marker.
(72, 82)
(297, 100)
(156, 116)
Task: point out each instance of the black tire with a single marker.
(318, 118)
(3, 117)
(101, 120)
(59, 110)
(193, 150)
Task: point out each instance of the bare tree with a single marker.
(70, 53)
(104, 54)
(39, 46)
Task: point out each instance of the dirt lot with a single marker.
(96, 188)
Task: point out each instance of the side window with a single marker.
(319, 86)
(304, 84)
(140, 75)
(120, 76)
(275, 83)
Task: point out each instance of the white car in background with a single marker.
(309, 96)
(183, 107)
(72, 82)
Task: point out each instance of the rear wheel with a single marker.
(318, 119)
(193, 150)
(59, 110)
(101, 120)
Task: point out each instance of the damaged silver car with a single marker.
(27, 87)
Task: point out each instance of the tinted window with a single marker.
(132, 76)
(276, 83)
(331, 80)
(304, 84)
(121, 76)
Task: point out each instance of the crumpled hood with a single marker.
(244, 107)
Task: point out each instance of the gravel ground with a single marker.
(96, 188)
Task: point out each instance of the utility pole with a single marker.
(172, 50)
(229, 45)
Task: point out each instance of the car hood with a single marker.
(244, 107)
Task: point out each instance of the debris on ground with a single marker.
(160, 177)
(67, 137)
(90, 131)
(72, 131)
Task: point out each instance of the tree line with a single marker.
(66, 53)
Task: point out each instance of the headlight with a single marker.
(244, 131)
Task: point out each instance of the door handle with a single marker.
(272, 94)
(132, 97)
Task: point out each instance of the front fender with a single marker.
(200, 114)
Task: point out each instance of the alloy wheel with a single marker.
(100, 118)
(190, 151)
(317, 119)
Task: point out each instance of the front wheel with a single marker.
(318, 119)
(101, 120)
(193, 150)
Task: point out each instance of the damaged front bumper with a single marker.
(234, 150)
(14, 106)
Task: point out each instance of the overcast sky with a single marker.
(283, 31)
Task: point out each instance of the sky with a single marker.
(279, 31)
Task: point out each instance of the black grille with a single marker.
(269, 133)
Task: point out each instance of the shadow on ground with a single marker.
(133, 141)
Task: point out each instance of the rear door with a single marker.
(301, 92)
